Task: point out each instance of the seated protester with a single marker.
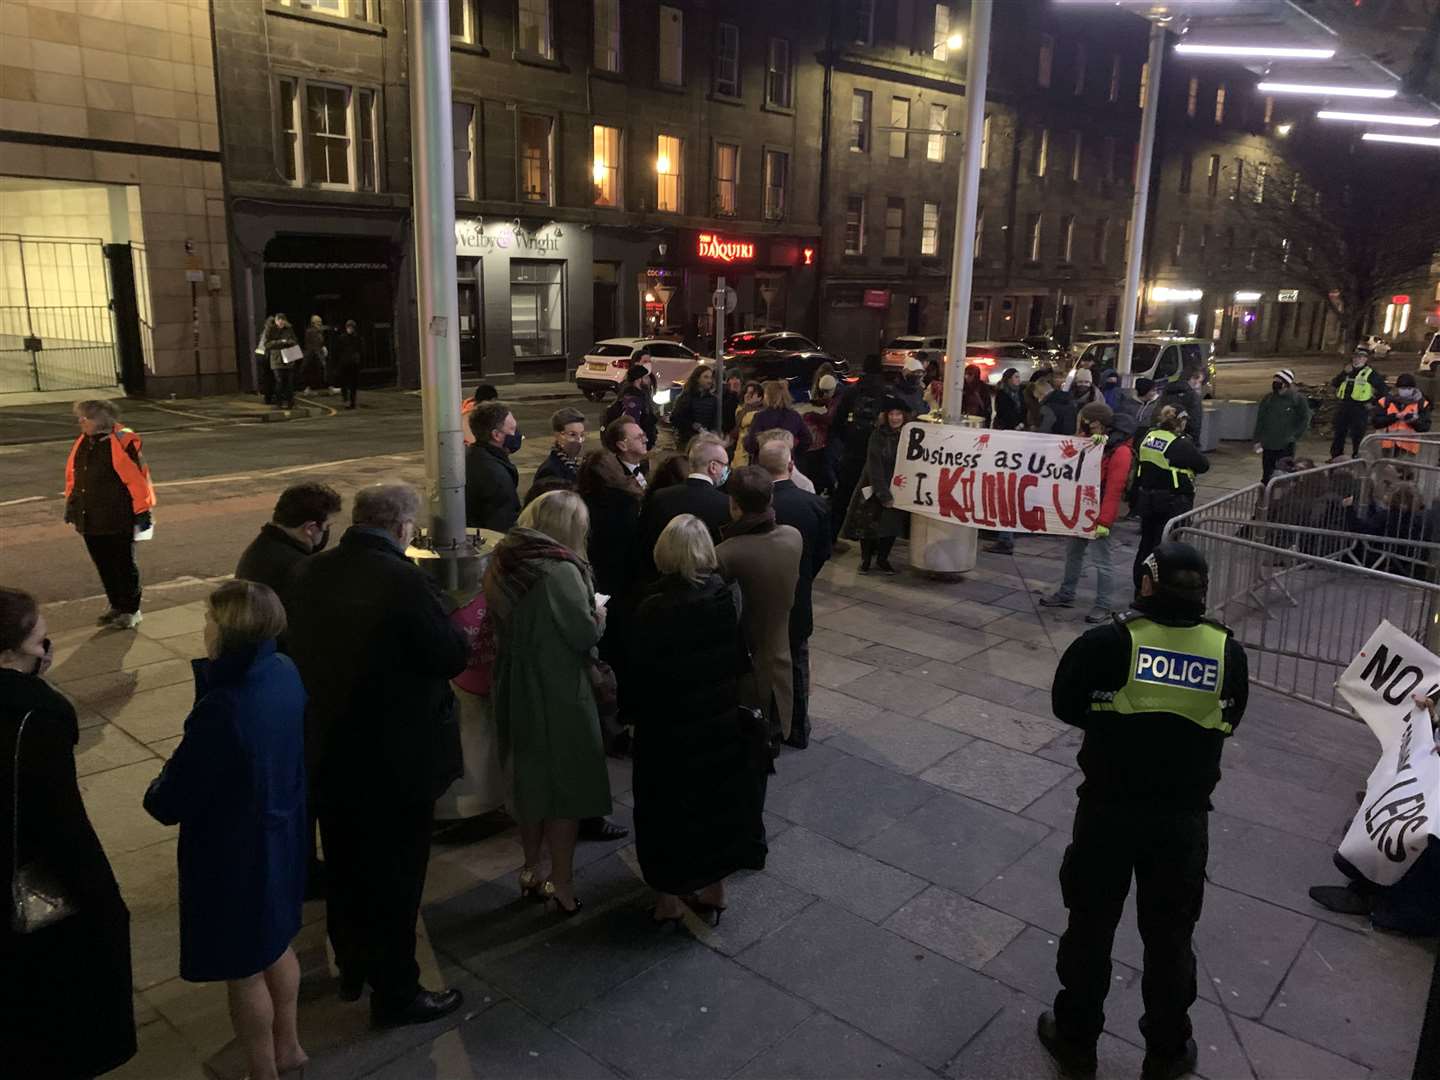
(568, 431)
(492, 494)
(1402, 411)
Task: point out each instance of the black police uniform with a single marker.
(1143, 803)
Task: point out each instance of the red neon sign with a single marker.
(715, 246)
(809, 255)
(1401, 299)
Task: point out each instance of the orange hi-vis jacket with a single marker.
(132, 470)
(1402, 418)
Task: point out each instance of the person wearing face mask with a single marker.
(563, 461)
(492, 483)
(1357, 385)
(369, 633)
(1403, 410)
(701, 494)
(66, 1000)
(298, 527)
(1282, 418)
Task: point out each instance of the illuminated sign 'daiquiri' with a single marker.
(715, 246)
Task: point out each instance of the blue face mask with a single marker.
(724, 475)
(512, 442)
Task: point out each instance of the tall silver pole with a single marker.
(428, 27)
(967, 200)
(1131, 304)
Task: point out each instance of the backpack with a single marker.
(864, 415)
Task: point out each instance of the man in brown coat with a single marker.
(764, 558)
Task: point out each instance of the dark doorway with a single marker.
(912, 315)
(606, 297)
(471, 310)
(1037, 316)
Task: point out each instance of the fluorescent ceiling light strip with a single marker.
(1399, 119)
(1324, 90)
(1286, 51)
(1408, 140)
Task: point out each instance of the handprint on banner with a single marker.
(898, 481)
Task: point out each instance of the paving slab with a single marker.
(1276, 1056)
(836, 643)
(1035, 666)
(895, 692)
(826, 704)
(978, 684)
(151, 715)
(914, 1000)
(1057, 806)
(1009, 779)
(1291, 807)
(1246, 946)
(889, 658)
(816, 865)
(107, 747)
(1221, 1055)
(956, 927)
(696, 1014)
(795, 765)
(896, 741)
(113, 799)
(759, 904)
(1272, 865)
(1008, 1049)
(1360, 995)
(850, 801)
(98, 652)
(997, 723)
(835, 671)
(1027, 963)
(824, 1048)
(957, 842)
(116, 687)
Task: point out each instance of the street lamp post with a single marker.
(1130, 307)
(428, 27)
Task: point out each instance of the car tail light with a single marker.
(983, 361)
(622, 362)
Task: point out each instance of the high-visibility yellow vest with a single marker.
(1152, 453)
(1173, 669)
(1356, 386)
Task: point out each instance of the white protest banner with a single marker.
(1014, 480)
(1395, 822)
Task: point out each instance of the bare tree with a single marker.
(1353, 222)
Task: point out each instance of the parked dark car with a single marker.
(783, 355)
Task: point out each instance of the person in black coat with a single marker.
(856, 415)
(376, 651)
(700, 770)
(298, 527)
(1165, 480)
(348, 354)
(563, 462)
(66, 999)
(492, 483)
(697, 408)
(1009, 402)
(700, 494)
(1187, 395)
(810, 516)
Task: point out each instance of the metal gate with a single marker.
(56, 327)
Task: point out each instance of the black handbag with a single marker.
(37, 899)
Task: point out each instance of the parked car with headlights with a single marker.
(912, 347)
(784, 355)
(993, 358)
(1430, 353)
(602, 369)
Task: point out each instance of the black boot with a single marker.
(1074, 1060)
(1170, 1066)
(425, 1006)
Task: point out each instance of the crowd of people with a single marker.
(319, 357)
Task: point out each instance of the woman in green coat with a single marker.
(541, 598)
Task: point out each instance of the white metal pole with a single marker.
(437, 302)
(1131, 302)
(967, 200)
(718, 301)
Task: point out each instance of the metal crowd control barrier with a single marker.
(1304, 568)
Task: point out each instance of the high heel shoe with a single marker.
(550, 894)
(662, 921)
(530, 885)
(709, 913)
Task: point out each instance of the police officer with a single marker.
(1156, 691)
(1165, 482)
(1356, 387)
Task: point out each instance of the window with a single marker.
(940, 39)
(899, 118)
(1114, 94)
(777, 175)
(1239, 179)
(727, 60)
(1285, 251)
(1229, 255)
(860, 121)
(605, 170)
(1212, 177)
(1101, 250)
(930, 229)
(1076, 153)
(1144, 83)
(935, 143)
(1220, 104)
(327, 135)
(1079, 68)
(855, 225)
(894, 227)
(1254, 254)
(1032, 233)
(1109, 147)
(1187, 164)
(979, 231)
(535, 32)
(535, 158)
(1206, 242)
(537, 308)
(777, 73)
(1179, 253)
(462, 117)
(363, 10)
(667, 173)
(1042, 152)
(463, 25)
(672, 46)
(1269, 116)
(862, 25)
(727, 179)
(1067, 237)
(1261, 171)
(1045, 68)
(1192, 98)
(985, 144)
(607, 35)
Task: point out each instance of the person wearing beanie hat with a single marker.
(818, 463)
(1156, 691)
(637, 401)
(1281, 420)
(911, 386)
(1082, 389)
(873, 518)
(1404, 410)
(1097, 420)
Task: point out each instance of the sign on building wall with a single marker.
(723, 248)
(877, 298)
(475, 236)
(1014, 480)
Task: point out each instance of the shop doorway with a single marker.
(606, 297)
(471, 289)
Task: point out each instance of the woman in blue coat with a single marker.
(236, 787)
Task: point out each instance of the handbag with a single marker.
(607, 704)
(37, 899)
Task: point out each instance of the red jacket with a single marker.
(1114, 475)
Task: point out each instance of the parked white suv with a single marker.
(1430, 354)
(603, 368)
